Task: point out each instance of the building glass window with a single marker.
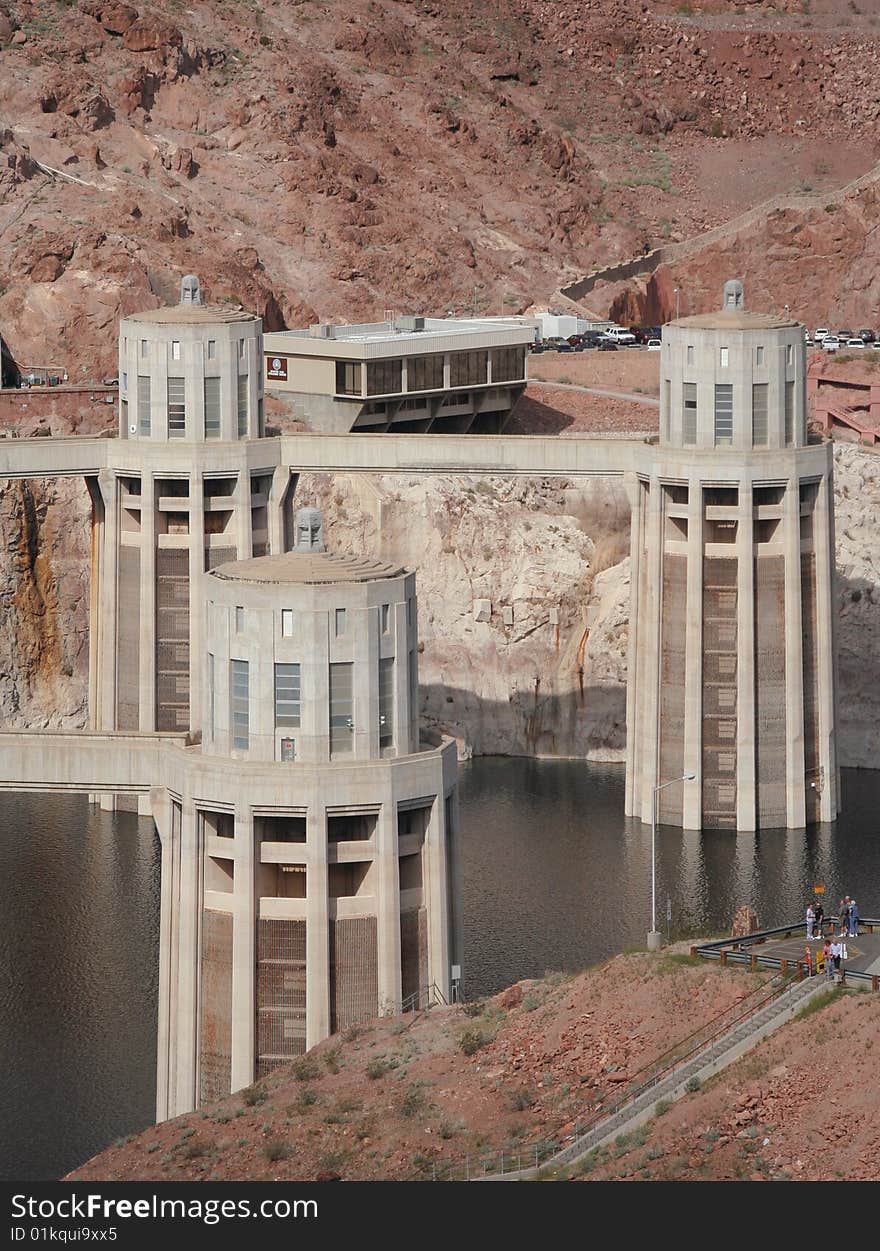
(176, 408)
(212, 349)
(789, 414)
(759, 356)
(175, 350)
(723, 414)
(238, 703)
(123, 406)
(242, 349)
(210, 697)
(287, 695)
(212, 408)
(340, 622)
(239, 619)
(384, 377)
(287, 623)
(725, 357)
(385, 615)
(667, 400)
(759, 413)
(341, 709)
(424, 373)
(467, 369)
(143, 406)
(124, 380)
(145, 347)
(348, 377)
(689, 416)
(789, 354)
(690, 355)
(386, 702)
(242, 406)
(508, 364)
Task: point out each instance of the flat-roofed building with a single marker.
(406, 374)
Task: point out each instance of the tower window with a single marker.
(690, 355)
(143, 406)
(145, 347)
(341, 709)
(340, 622)
(212, 408)
(210, 697)
(723, 414)
(789, 413)
(759, 356)
(724, 357)
(287, 623)
(759, 413)
(789, 354)
(689, 423)
(242, 406)
(175, 350)
(239, 619)
(386, 702)
(238, 701)
(287, 695)
(212, 349)
(176, 408)
(385, 615)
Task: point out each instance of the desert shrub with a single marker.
(276, 1149)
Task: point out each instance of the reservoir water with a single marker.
(552, 876)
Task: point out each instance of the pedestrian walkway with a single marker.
(717, 1055)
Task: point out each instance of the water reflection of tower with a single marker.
(732, 673)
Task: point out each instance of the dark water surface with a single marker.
(553, 876)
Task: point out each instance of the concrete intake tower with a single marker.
(731, 652)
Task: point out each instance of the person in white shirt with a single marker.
(811, 916)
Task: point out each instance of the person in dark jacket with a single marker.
(820, 918)
(853, 919)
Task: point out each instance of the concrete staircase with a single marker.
(724, 1051)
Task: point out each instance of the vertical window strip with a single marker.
(144, 406)
(176, 408)
(287, 695)
(239, 703)
(760, 432)
(723, 414)
(212, 408)
(689, 415)
(242, 406)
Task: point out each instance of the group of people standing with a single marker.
(848, 917)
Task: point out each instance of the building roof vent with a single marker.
(409, 324)
(320, 330)
(190, 290)
(309, 527)
(734, 298)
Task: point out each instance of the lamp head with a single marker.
(689, 777)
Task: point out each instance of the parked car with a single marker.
(867, 336)
(552, 341)
(591, 338)
(844, 335)
(821, 332)
(654, 345)
(110, 382)
(876, 345)
(607, 345)
(536, 347)
(830, 343)
(855, 342)
(564, 346)
(619, 336)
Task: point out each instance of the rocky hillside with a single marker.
(393, 1097)
(311, 158)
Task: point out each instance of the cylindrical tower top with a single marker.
(311, 657)
(191, 371)
(733, 379)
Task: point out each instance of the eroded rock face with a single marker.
(523, 589)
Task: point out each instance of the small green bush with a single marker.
(380, 1066)
(276, 1149)
(662, 1107)
(252, 1095)
(306, 1068)
(471, 1041)
(692, 1085)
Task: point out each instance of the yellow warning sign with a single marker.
(819, 890)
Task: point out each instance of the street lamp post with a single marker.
(655, 938)
(677, 293)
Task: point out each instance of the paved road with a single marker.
(635, 396)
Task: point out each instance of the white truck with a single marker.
(619, 336)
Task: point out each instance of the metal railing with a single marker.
(430, 996)
(739, 951)
(527, 1155)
